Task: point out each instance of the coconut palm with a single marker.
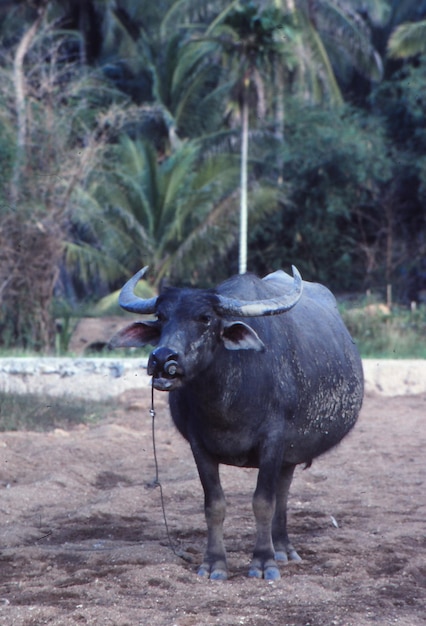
(270, 47)
(246, 43)
(142, 209)
(177, 214)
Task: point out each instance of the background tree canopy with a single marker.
(128, 130)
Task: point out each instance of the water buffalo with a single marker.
(270, 394)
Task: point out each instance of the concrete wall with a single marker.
(97, 378)
(89, 378)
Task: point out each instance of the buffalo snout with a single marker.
(163, 363)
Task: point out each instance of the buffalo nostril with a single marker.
(171, 368)
(163, 361)
(152, 364)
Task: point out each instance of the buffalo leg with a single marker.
(264, 502)
(284, 551)
(214, 563)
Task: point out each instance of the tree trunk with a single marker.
(243, 179)
(278, 102)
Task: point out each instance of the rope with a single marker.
(156, 483)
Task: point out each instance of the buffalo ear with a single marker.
(240, 336)
(136, 335)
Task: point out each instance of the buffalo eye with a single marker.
(161, 317)
(205, 318)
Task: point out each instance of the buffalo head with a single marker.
(191, 324)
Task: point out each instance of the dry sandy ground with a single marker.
(83, 539)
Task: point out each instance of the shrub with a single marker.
(382, 333)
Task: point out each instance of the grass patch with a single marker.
(105, 353)
(396, 334)
(44, 413)
(12, 353)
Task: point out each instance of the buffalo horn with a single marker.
(272, 306)
(128, 301)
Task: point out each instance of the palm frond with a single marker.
(190, 56)
(405, 11)
(222, 16)
(199, 106)
(193, 11)
(222, 223)
(128, 224)
(379, 11)
(91, 264)
(345, 29)
(135, 174)
(408, 40)
(177, 175)
(322, 77)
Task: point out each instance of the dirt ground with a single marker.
(83, 539)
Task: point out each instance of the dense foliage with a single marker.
(123, 127)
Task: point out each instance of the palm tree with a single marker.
(252, 48)
(270, 48)
(161, 211)
(176, 214)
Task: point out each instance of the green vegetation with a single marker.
(39, 413)
(383, 335)
(136, 133)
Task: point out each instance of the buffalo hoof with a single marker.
(267, 570)
(284, 556)
(218, 574)
(213, 573)
(269, 573)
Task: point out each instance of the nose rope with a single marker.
(156, 482)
